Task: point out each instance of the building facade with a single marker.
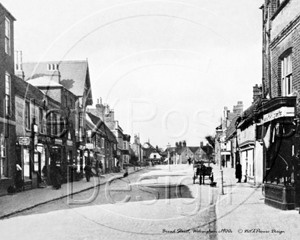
(277, 118)
(7, 101)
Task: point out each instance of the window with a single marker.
(27, 115)
(52, 67)
(286, 75)
(54, 119)
(102, 142)
(80, 120)
(41, 120)
(62, 125)
(7, 94)
(7, 37)
(3, 159)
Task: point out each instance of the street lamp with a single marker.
(168, 146)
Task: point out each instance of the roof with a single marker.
(231, 130)
(193, 149)
(12, 17)
(101, 126)
(149, 145)
(207, 149)
(44, 81)
(27, 91)
(74, 75)
(231, 116)
(248, 114)
(180, 150)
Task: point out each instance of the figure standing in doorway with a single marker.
(238, 171)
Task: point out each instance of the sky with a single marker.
(167, 68)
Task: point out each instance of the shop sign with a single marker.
(279, 113)
(24, 141)
(58, 141)
(81, 147)
(89, 146)
(69, 143)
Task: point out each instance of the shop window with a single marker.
(286, 75)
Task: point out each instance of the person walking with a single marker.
(238, 171)
(88, 172)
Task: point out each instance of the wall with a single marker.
(284, 17)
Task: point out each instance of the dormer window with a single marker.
(52, 67)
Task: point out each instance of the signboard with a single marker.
(279, 113)
(58, 141)
(69, 143)
(89, 146)
(24, 141)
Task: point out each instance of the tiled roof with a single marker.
(27, 91)
(74, 74)
(232, 128)
(248, 114)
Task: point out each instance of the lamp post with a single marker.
(168, 146)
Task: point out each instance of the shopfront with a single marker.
(277, 122)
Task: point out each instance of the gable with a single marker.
(74, 76)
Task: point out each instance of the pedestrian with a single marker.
(55, 175)
(238, 171)
(88, 172)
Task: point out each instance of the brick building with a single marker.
(7, 106)
(278, 117)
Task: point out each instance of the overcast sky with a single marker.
(167, 68)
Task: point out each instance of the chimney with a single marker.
(184, 143)
(97, 105)
(53, 71)
(112, 115)
(201, 144)
(238, 109)
(257, 92)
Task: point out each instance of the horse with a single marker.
(202, 171)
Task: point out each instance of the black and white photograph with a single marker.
(149, 119)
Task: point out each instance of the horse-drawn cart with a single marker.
(201, 171)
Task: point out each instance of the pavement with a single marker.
(242, 214)
(240, 209)
(22, 201)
